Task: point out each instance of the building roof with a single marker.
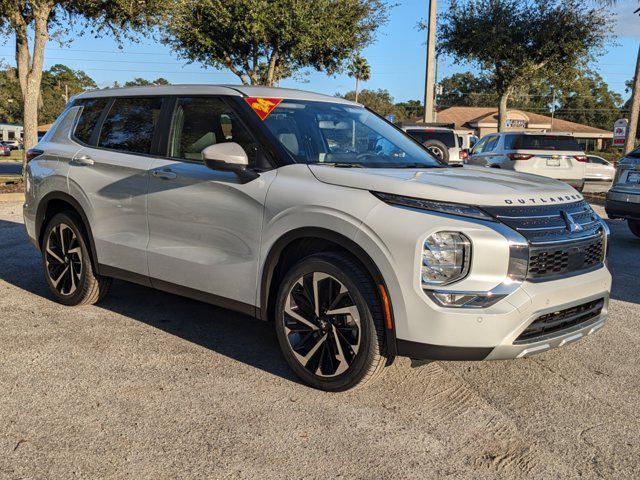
(468, 117)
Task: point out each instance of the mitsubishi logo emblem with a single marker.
(572, 225)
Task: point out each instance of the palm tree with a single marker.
(361, 70)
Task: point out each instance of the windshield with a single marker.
(343, 135)
(544, 142)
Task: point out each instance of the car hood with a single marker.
(469, 185)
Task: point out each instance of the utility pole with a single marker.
(553, 108)
(429, 80)
(635, 109)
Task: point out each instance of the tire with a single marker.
(67, 263)
(634, 226)
(331, 352)
(437, 149)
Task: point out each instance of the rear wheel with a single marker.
(634, 226)
(329, 323)
(67, 263)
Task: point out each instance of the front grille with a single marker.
(564, 238)
(555, 322)
(551, 261)
(548, 223)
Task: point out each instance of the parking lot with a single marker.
(151, 385)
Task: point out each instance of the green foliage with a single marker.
(516, 41)
(142, 82)
(590, 102)
(584, 99)
(380, 101)
(59, 84)
(263, 41)
(360, 69)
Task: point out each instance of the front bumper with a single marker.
(529, 303)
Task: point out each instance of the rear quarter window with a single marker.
(91, 111)
(544, 142)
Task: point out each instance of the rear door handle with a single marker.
(83, 161)
(165, 174)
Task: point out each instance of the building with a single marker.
(10, 132)
(481, 121)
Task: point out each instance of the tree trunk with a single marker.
(502, 111)
(357, 81)
(635, 110)
(30, 70)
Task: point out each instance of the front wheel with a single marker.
(634, 226)
(329, 323)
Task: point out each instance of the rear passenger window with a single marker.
(199, 122)
(91, 111)
(130, 124)
(491, 144)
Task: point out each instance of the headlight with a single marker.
(445, 258)
(458, 209)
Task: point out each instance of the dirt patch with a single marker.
(16, 186)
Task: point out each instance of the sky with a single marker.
(397, 57)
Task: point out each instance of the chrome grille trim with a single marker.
(554, 250)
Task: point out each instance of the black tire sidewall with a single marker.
(368, 340)
(440, 146)
(72, 222)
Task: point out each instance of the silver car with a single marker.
(318, 215)
(551, 155)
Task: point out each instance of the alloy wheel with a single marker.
(63, 257)
(322, 324)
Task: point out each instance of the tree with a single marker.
(380, 101)
(360, 70)
(412, 109)
(517, 41)
(59, 84)
(141, 82)
(33, 22)
(590, 102)
(264, 41)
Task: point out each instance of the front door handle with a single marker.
(165, 174)
(82, 161)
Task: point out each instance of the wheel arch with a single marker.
(56, 202)
(316, 240)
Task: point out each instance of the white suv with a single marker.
(551, 155)
(443, 143)
(318, 215)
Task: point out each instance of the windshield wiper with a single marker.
(341, 164)
(419, 165)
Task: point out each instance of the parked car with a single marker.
(316, 214)
(623, 199)
(599, 170)
(442, 143)
(548, 154)
(13, 144)
(5, 150)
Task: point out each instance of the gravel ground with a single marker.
(149, 385)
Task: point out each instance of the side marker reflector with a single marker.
(386, 307)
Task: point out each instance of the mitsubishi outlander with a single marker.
(318, 215)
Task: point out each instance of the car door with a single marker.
(477, 156)
(598, 169)
(111, 174)
(205, 225)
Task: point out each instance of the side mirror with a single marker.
(225, 156)
(229, 157)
